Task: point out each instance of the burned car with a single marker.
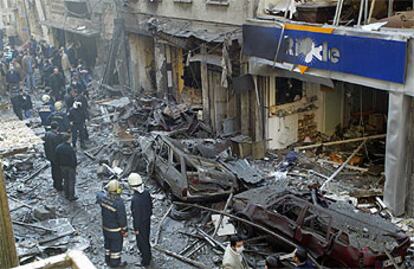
(334, 232)
(189, 177)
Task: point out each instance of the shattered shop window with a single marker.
(288, 90)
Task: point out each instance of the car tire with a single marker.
(183, 212)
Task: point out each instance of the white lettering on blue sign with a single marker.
(309, 51)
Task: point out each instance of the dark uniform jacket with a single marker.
(62, 119)
(66, 156)
(44, 112)
(141, 207)
(57, 83)
(114, 217)
(52, 140)
(85, 106)
(76, 116)
(25, 102)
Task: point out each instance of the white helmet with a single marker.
(58, 106)
(134, 180)
(45, 98)
(76, 105)
(113, 186)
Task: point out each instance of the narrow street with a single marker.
(231, 134)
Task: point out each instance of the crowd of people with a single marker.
(38, 67)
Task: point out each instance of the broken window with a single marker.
(288, 208)
(176, 160)
(162, 151)
(288, 90)
(77, 9)
(192, 75)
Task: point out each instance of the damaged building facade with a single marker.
(189, 51)
(280, 74)
(326, 79)
(86, 26)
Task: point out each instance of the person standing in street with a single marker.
(46, 110)
(57, 83)
(67, 161)
(114, 223)
(77, 121)
(60, 117)
(52, 139)
(11, 34)
(141, 207)
(12, 78)
(28, 69)
(25, 104)
(66, 67)
(233, 258)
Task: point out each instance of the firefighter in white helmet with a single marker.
(60, 117)
(114, 223)
(46, 110)
(141, 207)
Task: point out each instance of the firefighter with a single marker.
(52, 139)
(46, 110)
(141, 207)
(114, 223)
(60, 117)
(77, 121)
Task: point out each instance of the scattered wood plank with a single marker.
(221, 216)
(157, 237)
(343, 165)
(365, 138)
(350, 167)
(20, 202)
(182, 258)
(33, 226)
(35, 173)
(90, 156)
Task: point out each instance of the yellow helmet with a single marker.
(114, 186)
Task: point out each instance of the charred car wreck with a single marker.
(334, 232)
(189, 177)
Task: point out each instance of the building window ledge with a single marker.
(183, 1)
(218, 2)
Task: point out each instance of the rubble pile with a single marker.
(146, 114)
(197, 183)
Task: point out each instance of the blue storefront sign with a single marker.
(320, 48)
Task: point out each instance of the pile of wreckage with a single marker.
(277, 202)
(215, 188)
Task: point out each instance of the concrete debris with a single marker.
(180, 158)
